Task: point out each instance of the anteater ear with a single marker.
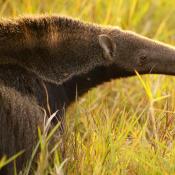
(108, 46)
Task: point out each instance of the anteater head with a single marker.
(58, 48)
(131, 52)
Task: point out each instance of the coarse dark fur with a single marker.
(44, 59)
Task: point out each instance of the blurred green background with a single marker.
(126, 126)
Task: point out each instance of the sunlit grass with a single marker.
(125, 126)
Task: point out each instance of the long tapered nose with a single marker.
(162, 59)
(155, 57)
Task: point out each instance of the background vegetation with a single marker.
(126, 126)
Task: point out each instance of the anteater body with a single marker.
(45, 59)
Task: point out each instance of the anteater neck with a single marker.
(63, 95)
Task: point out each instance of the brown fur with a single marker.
(30, 41)
(21, 101)
(55, 49)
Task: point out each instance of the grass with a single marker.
(125, 126)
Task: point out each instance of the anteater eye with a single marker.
(142, 60)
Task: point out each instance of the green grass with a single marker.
(126, 126)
